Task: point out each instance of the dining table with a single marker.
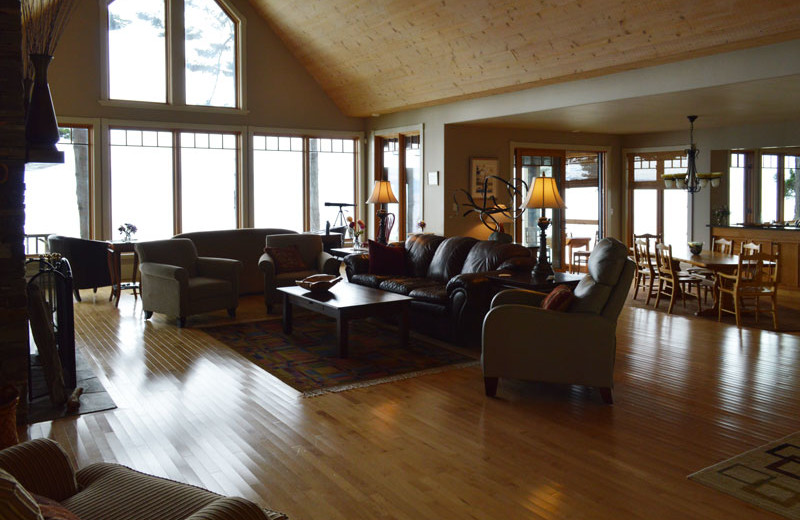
(714, 261)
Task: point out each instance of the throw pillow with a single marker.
(559, 299)
(52, 510)
(287, 259)
(15, 501)
(386, 260)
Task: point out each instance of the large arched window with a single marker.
(202, 69)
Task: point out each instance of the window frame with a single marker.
(176, 62)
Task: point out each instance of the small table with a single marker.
(526, 280)
(115, 250)
(346, 301)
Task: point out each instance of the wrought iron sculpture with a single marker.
(489, 211)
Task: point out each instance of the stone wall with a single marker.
(13, 312)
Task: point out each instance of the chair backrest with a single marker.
(309, 246)
(720, 245)
(664, 260)
(88, 259)
(605, 288)
(174, 251)
(749, 248)
(757, 270)
(641, 255)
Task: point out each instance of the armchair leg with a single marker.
(607, 396)
(490, 385)
(148, 315)
(232, 312)
(181, 322)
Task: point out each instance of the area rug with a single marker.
(93, 399)
(306, 359)
(768, 476)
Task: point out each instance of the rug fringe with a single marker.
(399, 377)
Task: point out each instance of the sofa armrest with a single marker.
(164, 271)
(223, 268)
(470, 295)
(517, 263)
(234, 508)
(356, 264)
(42, 467)
(329, 264)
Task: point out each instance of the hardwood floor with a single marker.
(689, 393)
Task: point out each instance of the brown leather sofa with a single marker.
(447, 277)
(107, 491)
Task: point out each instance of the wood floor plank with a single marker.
(688, 393)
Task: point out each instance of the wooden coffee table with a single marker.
(346, 301)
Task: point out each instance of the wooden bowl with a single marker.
(318, 282)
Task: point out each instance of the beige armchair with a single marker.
(176, 282)
(312, 260)
(522, 341)
(108, 491)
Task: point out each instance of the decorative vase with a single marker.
(126, 237)
(357, 242)
(41, 126)
(9, 399)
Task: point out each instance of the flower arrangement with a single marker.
(421, 225)
(356, 229)
(127, 229)
(721, 215)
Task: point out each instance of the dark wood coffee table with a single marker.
(346, 301)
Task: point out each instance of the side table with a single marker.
(527, 280)
(115, 250)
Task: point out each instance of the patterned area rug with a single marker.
(305, 359)
(768, 476)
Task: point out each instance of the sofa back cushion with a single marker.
(175, 251)
(420, 249)
(15, 501)
(308, 246)
(490, 255)
(448, 260)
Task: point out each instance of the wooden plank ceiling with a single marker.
(382, 56)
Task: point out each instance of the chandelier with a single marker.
(691, 180)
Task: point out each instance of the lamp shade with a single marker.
(544, 194)
(382, 193)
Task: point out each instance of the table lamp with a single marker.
(382, 194)
(544, 194)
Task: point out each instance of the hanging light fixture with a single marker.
(691, 180)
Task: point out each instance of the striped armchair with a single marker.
(113, 492)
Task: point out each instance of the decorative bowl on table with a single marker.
(695, 247)
(318, 283)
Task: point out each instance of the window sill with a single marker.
(145, 105)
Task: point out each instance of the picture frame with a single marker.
(479, 169)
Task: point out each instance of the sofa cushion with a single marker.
(368, 280)
(386, 260)
(404, 284)
(286, 259)
(201, 288)
(559, 299)
(431, 293)
(15, 501)
(448, 260)
(420, 249)
(489, 255)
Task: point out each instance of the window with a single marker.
(399, 160)
(582, 194)
(763, 189)
(285, 196)
(652, 208)
(203, 165)
(736, 187)
(57, 196)
(200, 70)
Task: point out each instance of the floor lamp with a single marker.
(543, 195)
(382, 194)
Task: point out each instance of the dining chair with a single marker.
(755, 278)
(646, 274)
(673, 282)
(708, 280)
(580, 256)
(749, 248)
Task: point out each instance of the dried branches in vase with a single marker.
(490, 211)
(43, 22)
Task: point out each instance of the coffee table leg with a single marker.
(403, 324)
(341, 331)
(287, 314)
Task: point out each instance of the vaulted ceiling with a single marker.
(383, 56)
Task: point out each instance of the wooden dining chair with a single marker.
(708, 281)
(747, 248)
(646, 274)
(673, 282)
(755, 278)
(580, 256)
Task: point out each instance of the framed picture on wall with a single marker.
(479, 169)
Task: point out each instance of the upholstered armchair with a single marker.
(523, 341)
(87, 258)
(177, 282)
(37, 478)
(292, 257)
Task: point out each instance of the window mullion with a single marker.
(176, 54)
(177, 183)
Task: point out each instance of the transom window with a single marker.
(202, 68)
